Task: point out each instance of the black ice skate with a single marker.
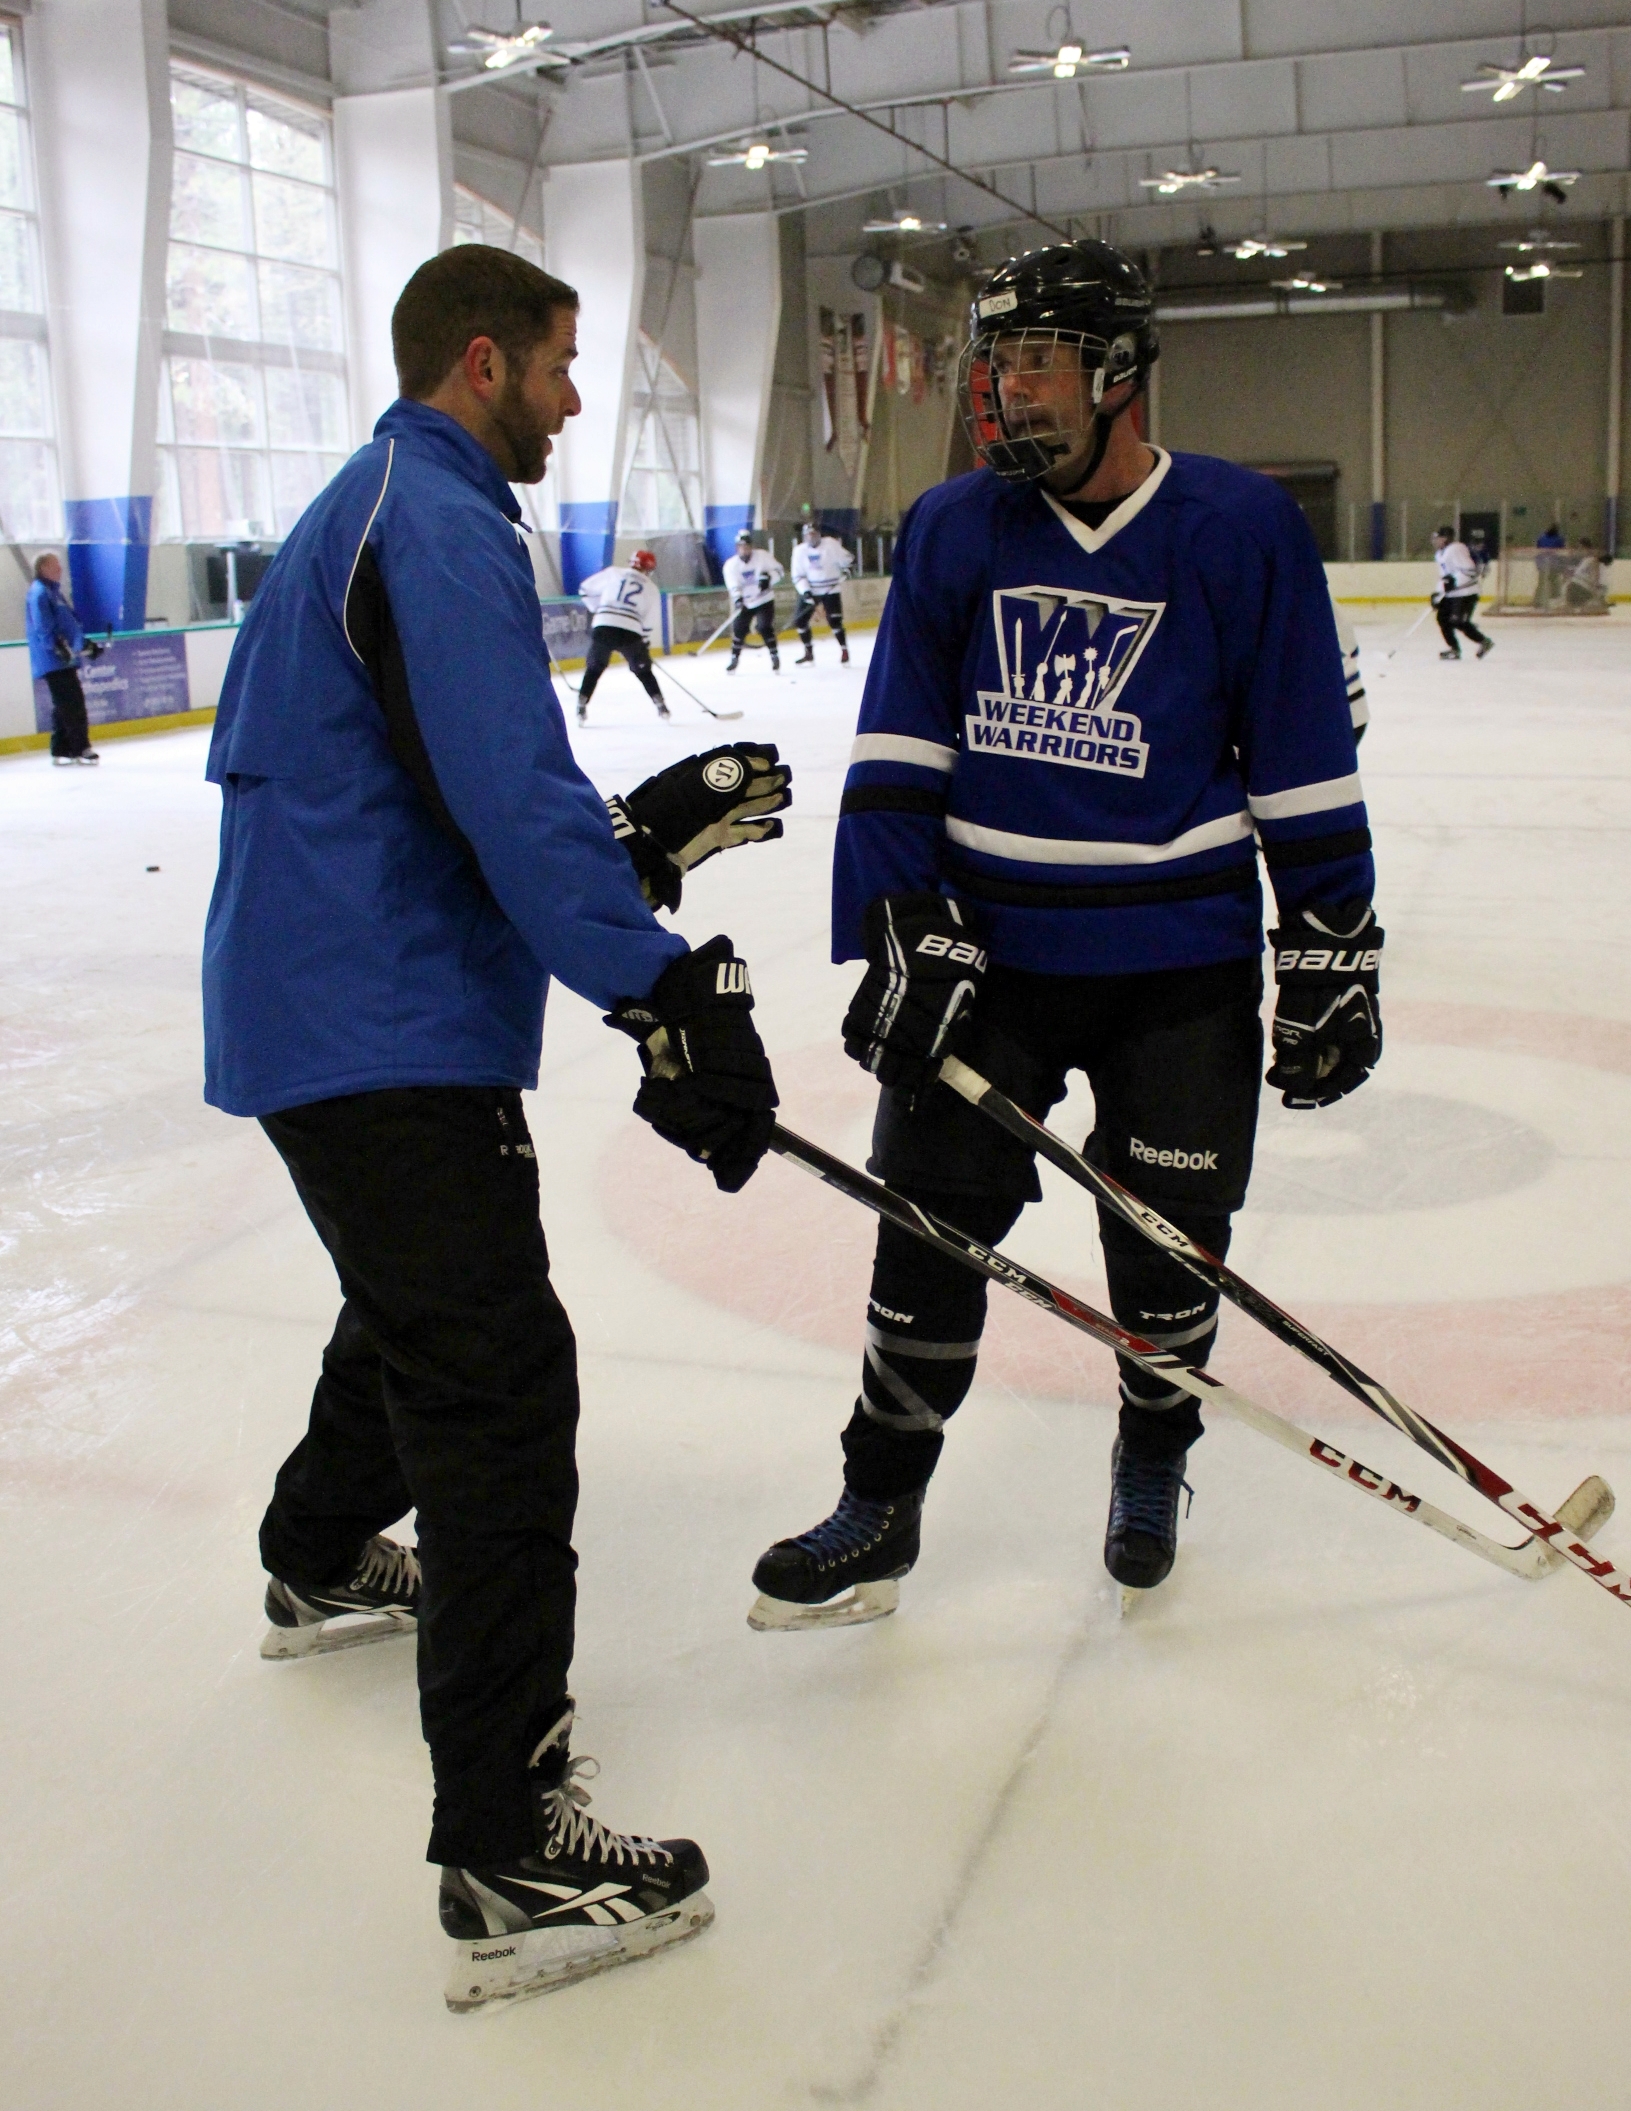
(806, 658)
(843, 655)
(585, 1900)
(583, 713)
(381, 1599)
(1486, 645)
(1141, 1538)
(847, 1570)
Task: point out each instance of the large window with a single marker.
(478, 219)
(252, 411)
(30, 496)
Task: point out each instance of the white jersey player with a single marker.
(820, 566)
(750, 580)
(625, 609)
(1457, 598)
(1358, 703)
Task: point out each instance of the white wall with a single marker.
(738, 296)
(393, 158)
(594, 239)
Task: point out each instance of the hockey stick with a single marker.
(697, 700)
(1585, 1508)
(1411, 632)
(1217, 1276)
(717, 635)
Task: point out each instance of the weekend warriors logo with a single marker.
(1065, 658)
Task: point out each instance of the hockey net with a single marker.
(1533, 582)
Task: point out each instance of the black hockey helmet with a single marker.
(1086, 295)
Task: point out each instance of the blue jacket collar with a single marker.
(458, 450)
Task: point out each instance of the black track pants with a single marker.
(449, 1387)
(804, 609)
(1455, 612)
(1175, 1062)
(70, 734)
(604, 640)
(762, 619)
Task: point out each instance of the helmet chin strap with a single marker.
(1101, 430)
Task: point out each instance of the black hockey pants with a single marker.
(762, 619)
(604, 640)
(449, 1387)
(1455, 612)
(1175, 1061)
(804, 609)
(70, 734)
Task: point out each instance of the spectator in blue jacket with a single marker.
(57, 649)
(408, 854)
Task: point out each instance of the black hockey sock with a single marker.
(586, 688)
(924, 1321)
(1157, 1298)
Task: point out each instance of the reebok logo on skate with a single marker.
(1179, 1161)
(481, 1956)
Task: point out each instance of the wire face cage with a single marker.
(1029, 397)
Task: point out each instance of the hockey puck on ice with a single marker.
(152, 868)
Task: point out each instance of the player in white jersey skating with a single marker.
(750, 580)
(821, 564)
(625, 609)
(1457, 598)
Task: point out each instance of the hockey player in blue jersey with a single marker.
(1105, 676)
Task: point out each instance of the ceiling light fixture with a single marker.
(1537, 71)
(755, 153)
(1171, 181)
(1263, 245)
(1069, 59)
(497, 50)
(1554, 182)
(1538, 239)
(904, 224)
(1305, 282)
(1541, 270)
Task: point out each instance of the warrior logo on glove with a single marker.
(695, 808)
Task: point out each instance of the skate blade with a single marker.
(867, 1601)
(344, 1631)
(1584, 1514)
(512, 1967)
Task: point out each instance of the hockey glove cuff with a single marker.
(924, 969)
(708, 1086)
(696, 808)
(1327, 1030)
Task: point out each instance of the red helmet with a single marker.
(644, 560)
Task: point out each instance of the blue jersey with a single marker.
(394, 895)
(1085, 733)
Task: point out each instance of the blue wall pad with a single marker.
(588, 535)
(107, 560)
(722, 525)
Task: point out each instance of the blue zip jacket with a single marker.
(1085, 734)
(408, 849)
(48, 617)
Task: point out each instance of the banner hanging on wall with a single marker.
(136, 677)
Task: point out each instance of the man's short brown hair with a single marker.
(471, 291)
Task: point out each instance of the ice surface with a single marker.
(1335, 1821)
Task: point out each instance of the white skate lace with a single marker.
(388, 1571)
(574, 1833)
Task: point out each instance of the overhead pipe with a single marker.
(1448, 300)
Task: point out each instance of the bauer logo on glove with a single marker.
(923, 976)
(1327, 1030)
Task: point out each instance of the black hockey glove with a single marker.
(923, 976)
(1327, 1022)
(706, 803)
(708, 1085)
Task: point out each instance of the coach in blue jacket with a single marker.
(408, 854)
(57, 649)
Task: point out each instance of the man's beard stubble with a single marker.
(525, 431)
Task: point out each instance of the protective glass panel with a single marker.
(215, 401)
(285, 141)
(13, 160)
(19, 272)
(211, 294)
(207, 204)
(25, 399)
(30, 502)
(222, 493)
(304, 410)
(11, 86)
(205, 116)
(292, 220)
(300, 307)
